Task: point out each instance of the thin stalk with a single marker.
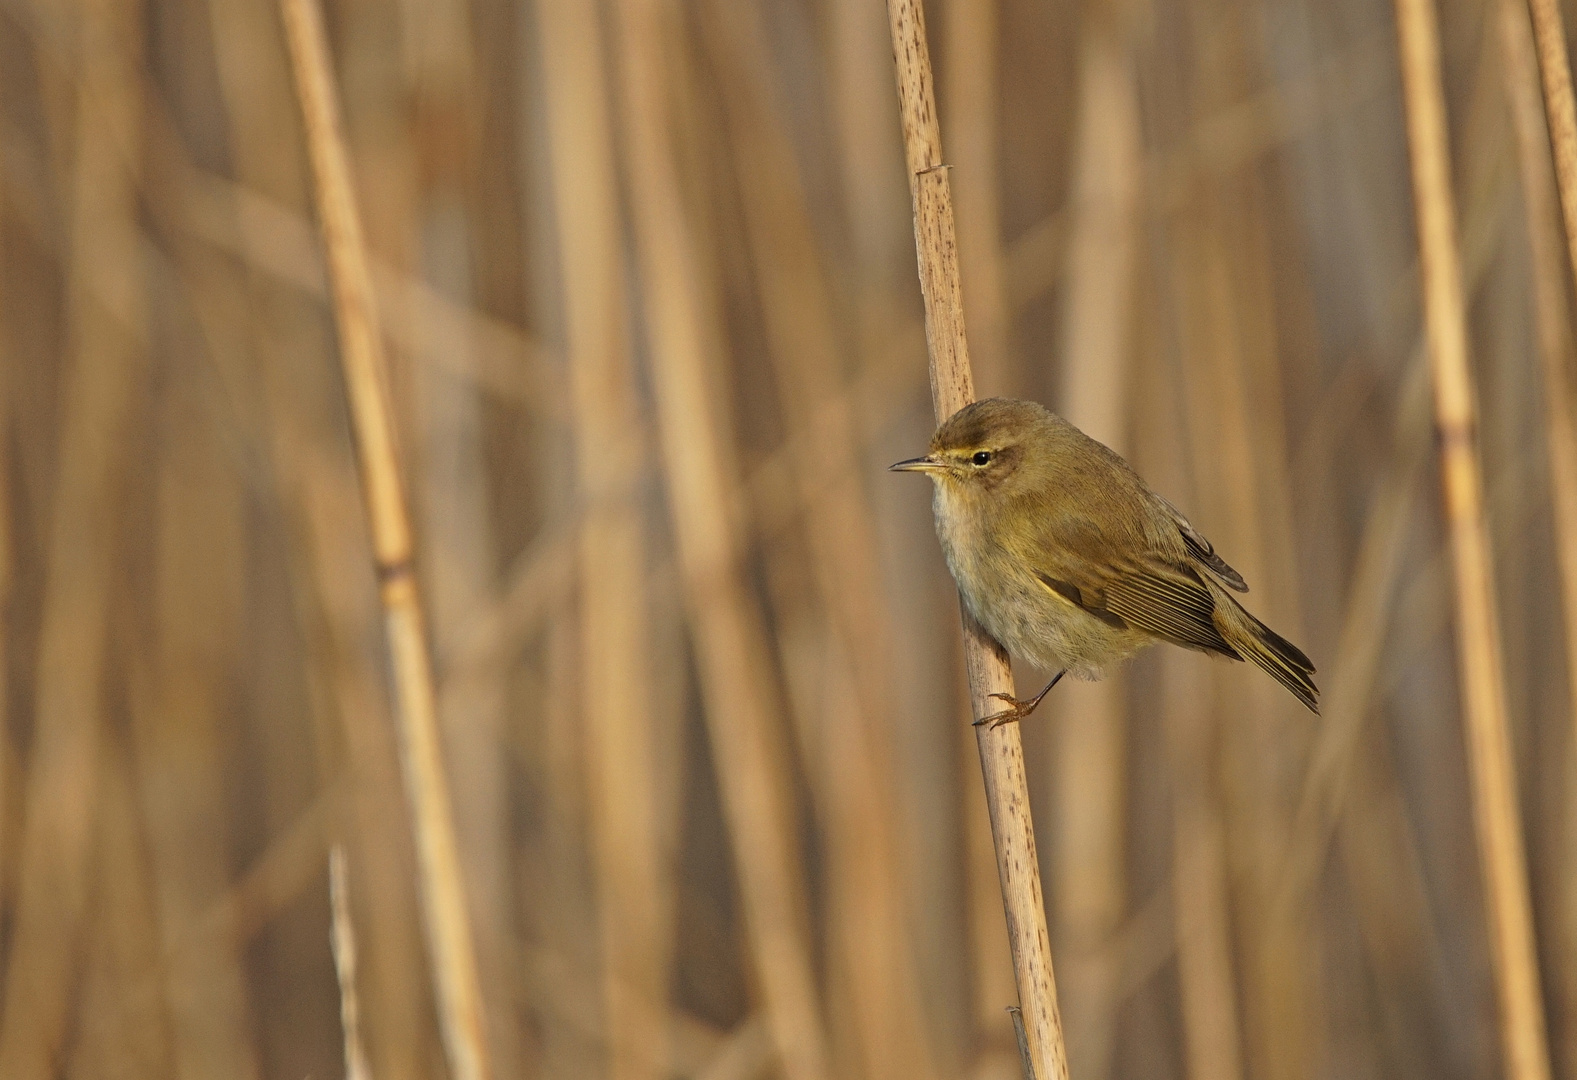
(970, 99)
(178, 739)
(1207, 987)
(1383, 867)
(985, 661)
(855, 732)
(634, 881)
(1226, 314)
(329, 602)
(103, 367)
(1089, 892)
(990, 959)
(1348, 784)
(1560, 113)
(119, 1030)
(454, 494)
(738, 686)
(258, 331)
(1550, 312)
(1372, 582)
(1280, 1014)
(1499, 832)
(561, 896)
(445, 915)
(342, 936)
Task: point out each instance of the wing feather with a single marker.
(1204, 551)
(1161, 593)
(1170, 602)
(1075, 596)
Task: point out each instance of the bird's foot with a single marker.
(1016, 710)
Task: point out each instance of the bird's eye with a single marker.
(982, 457)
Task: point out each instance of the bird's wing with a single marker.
(1201, 549)
(1161, 596)
(1170, 602)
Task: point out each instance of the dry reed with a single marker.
(855, 732)
(344, 949)
(1089, 896)
(105, 368)
(1560, 110)
(1541, 207)
(970, 33)
(991, 968)
(1479, 651)
(333, 608)
(439, 882)
(119, 1028)
(1204, 935)
(952, 387)
(179, 744)
(738, 691)
(1199, 871)
(634, 875)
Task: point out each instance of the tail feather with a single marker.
(1280, 658)
(1285, 663)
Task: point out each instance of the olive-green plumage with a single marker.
(1068, 558)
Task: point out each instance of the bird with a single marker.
(1067, 558)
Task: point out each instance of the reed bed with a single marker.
(644, 278)
(1522, 1026)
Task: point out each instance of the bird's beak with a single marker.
(919, 464)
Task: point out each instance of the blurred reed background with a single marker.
(646, 277)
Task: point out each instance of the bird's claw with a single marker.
(1016, 711)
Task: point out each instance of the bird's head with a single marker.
(982, 448)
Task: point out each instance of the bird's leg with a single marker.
(1018, 710)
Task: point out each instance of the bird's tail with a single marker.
(1283, 660)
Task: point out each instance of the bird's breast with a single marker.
(1001, 591)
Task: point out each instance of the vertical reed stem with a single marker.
(1478, 642)
(1088, 896)
(866, 884)
(1207, 990)
(1549, 34)
(634, 883)
(970, 66)
(103, 362)
(952, 387)
(445, 915)
(1539, 204)
(342, 936)
(739, 694)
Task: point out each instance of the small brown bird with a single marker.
(1069, 560)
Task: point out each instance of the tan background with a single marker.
(1185, 225)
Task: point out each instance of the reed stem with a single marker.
(738, 684)
(1541, 205)
(1478, 640)
(1549, 35)
(445, 916)
(342, 936)
(985, 661)
(104, 373)
(1089, 894)
(634, 878)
